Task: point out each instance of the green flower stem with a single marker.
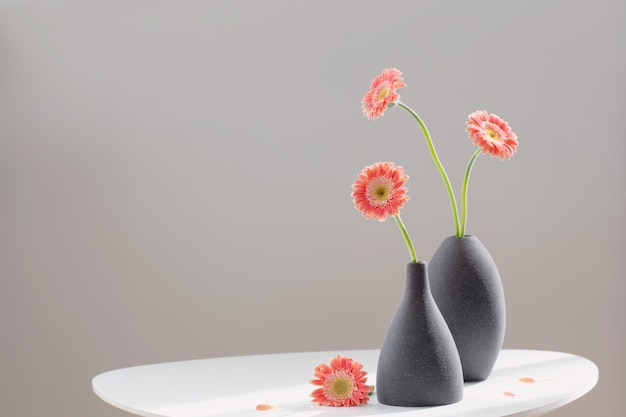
(407, 239)
(442, 171)
(468, 171)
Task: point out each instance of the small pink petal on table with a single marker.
(532, 380)
(265, 406)
(508, 394)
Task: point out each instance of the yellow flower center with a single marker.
(341, 387)
(492, 135)
(382, 94)
(379, 191)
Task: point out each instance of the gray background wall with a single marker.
(175, 180)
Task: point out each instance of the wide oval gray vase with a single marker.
(418, 364)
(466, 285)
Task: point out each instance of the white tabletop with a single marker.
(523, 383)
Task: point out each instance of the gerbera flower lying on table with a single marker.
(342, 383)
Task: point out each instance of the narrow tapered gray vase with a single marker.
(467, 288)
(418, 364)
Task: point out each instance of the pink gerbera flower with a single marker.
(378, 190)
(492, 134)
(382, 92)
(342, 383)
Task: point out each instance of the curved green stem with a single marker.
(442, 171)
(407, 239)
(468, 171)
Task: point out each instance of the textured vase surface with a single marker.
(418, 364)
(466, 285)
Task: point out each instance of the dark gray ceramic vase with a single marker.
(466, 285)
(418, 364)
